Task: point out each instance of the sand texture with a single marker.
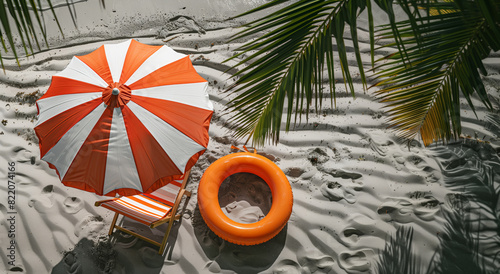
(354, 183)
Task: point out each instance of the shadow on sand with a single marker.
(238, 258)
(119, 253)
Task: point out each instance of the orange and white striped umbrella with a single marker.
(125, 119)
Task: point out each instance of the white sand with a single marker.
(353, 182)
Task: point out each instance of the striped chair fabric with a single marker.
(148, 207)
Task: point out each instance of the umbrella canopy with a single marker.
(125, 119)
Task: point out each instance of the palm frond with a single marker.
(443, 54)
(22, 18)
(286, 63)
(55, 16)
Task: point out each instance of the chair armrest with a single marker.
(98, 203)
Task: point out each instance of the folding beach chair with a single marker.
(152, 209)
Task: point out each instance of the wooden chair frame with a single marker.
(171, 217)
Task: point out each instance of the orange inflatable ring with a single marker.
(223, 226)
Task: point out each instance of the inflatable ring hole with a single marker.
(245, 197)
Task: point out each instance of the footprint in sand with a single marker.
(363, 236)
(418, 165)
(22, 155)
(338, 173)
(405, 209)
(71, 264)
(342, 188)
(357, 260)
(311, 263)
(72, 205)
(91, 228)
(336, 191)
(317, 156)
(287, 267)
(82, 259)
(316, 263)
(360, 226)
(294, 172)
(44, 203)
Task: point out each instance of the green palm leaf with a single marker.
(444, 52)
(21, 13)
(286, 63)
(440, 46)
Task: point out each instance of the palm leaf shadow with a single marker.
(471, 239)
(398, 255)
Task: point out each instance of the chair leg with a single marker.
(165, 238)
(113, 223)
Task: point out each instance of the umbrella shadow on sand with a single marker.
(120, 253)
